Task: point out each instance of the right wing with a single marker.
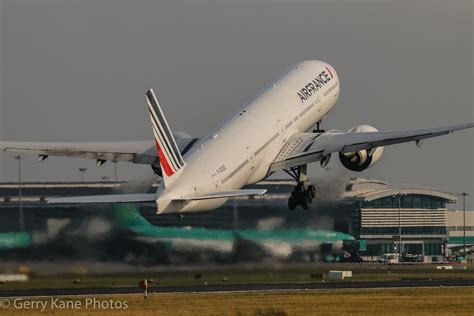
(304, 148)
(137, 152)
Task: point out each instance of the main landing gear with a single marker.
(301, 195)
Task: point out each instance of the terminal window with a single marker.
(408, 201)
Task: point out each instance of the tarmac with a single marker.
(239, 288)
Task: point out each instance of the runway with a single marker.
(239, 287)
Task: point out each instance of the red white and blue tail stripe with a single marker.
(170, 157)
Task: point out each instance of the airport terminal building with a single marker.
(387, 215)
(457, 234)
(369, 210)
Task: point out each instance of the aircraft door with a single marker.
(215, 180)
(216, 176)
(279, 126)
(251, 156)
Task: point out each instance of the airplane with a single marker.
(271, 133)
(130, 237)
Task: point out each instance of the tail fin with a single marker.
(171, 160)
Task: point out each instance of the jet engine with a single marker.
(363, 159)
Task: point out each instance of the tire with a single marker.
(305, 203)
(311, 191)
(291, 203)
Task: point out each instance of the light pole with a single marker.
(399, 227)
(399, 195)
(82, 171)
(115, 169)
(464, 194)
(20, 195)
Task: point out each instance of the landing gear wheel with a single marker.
(301, 195)
(305, 203)
(292, 203)
(311, 191)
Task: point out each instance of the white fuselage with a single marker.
(240, 152)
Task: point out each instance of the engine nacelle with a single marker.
(363, 159)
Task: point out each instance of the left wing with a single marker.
(137, 152)
(304, 148)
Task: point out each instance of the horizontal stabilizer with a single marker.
(226, 194)
(111, 198)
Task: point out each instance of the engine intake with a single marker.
(358, 161)
(363, 159)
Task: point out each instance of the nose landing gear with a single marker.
(301, 195)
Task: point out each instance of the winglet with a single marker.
(170, 157)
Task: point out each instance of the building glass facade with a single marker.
(422, 219)
(407, 201)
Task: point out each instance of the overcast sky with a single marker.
(77, 71)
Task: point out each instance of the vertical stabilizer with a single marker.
(171, 161)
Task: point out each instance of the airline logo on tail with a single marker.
(170, 157)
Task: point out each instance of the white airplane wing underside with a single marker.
(137, 152)
(304, 148)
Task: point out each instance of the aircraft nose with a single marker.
(331, 71)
